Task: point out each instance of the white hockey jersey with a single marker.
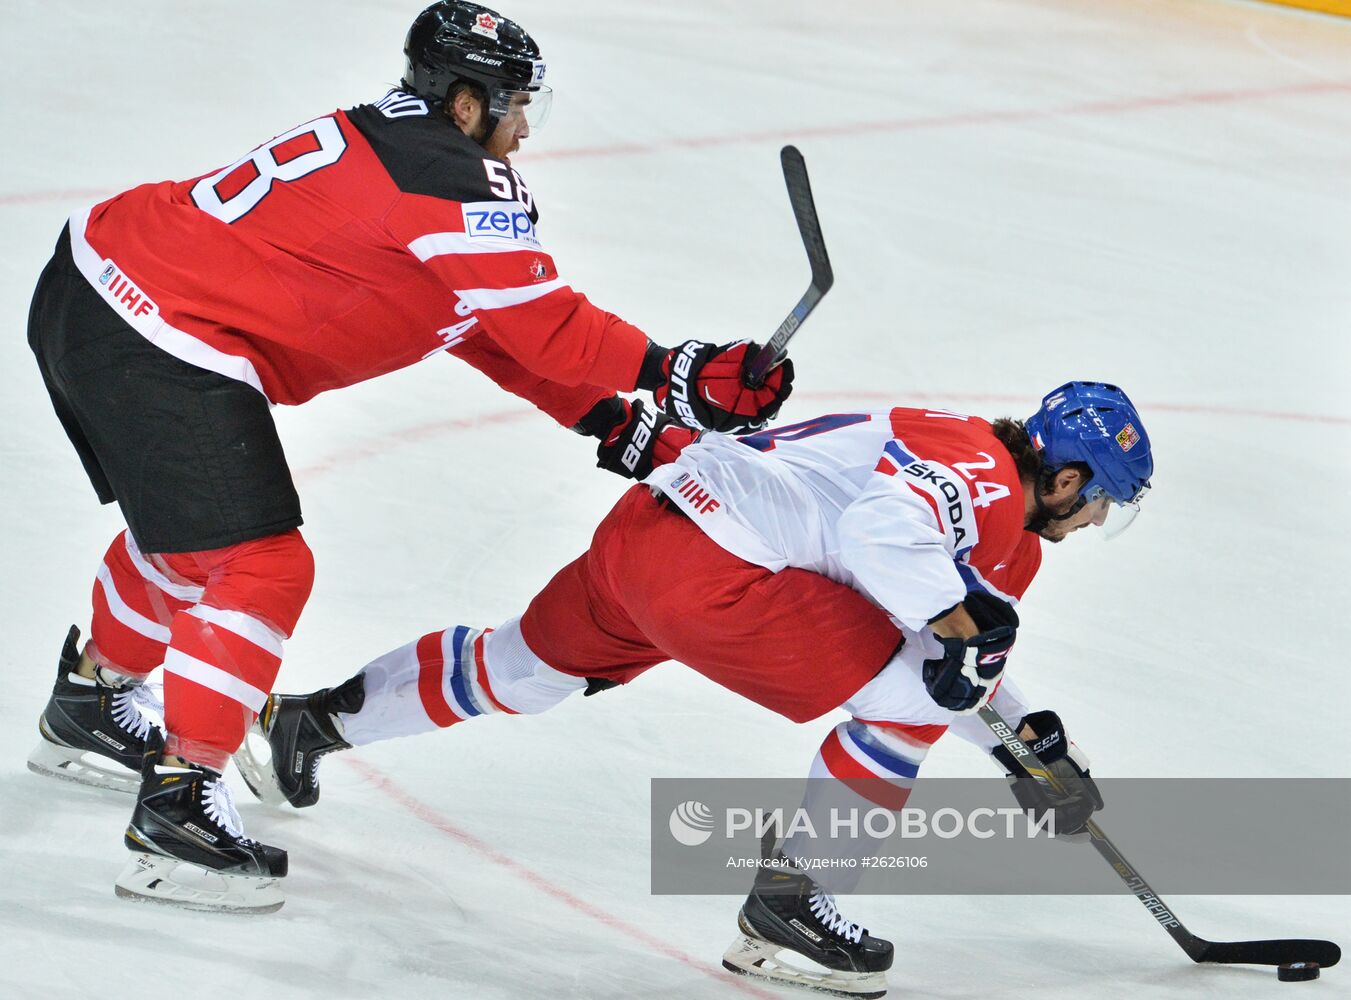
(911, 507)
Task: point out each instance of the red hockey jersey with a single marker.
(350, 246)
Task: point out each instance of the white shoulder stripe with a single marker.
(424, 248)
(149, 325)
(503, 298)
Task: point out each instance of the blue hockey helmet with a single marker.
(1095, 423)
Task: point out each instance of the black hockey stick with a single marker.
(804, 210)
(1274, 952)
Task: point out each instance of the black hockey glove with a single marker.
(634, 437)
(963, 679)
(701, 386)
(1079, 799)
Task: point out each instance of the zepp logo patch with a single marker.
(691, 823)
(496, 221)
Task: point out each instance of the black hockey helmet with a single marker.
(455, 41)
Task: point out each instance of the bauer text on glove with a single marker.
(640, 439)
(701, 386)
(1075, 796)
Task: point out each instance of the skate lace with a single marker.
(127, 710)
(824, 909)
(323, 751)
(219, 805)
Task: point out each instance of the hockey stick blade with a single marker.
(1281, 951)
(809, 225)
(1273, 952)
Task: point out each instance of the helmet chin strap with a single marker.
(488, 124)
(486, 130)
(1045, 515)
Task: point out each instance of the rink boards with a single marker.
(1339, 7)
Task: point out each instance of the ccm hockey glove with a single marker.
(965, 676)
(1078, 799)
(701, 386)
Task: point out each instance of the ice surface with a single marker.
(1014, 193)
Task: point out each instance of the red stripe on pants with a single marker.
(431, 670)
(482, 668)
(844, 767)
(927, 734)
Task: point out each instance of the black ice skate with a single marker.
(787, 911)
(188, 845)
(299, 730)
(93, 731)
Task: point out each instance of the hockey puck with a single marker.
(1297, 972)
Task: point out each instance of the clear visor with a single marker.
(1112, 517)
(527, 108)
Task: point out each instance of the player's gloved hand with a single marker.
(1077, 798)
(965, 676)
(701, 386)
(641, 439)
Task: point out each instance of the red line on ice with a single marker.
(382, 444)
(79, 196)
(525, 873)
(428, 815)
(410, 435)
(902, 397)
(1010, 116)
(1083, 109)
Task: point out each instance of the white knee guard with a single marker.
(521, 681)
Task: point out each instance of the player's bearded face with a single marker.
(514, 126)
(1092, 513)
(506, 138)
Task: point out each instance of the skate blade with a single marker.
(257, 772)
(84, 767)
(757, 959)
(153, 878)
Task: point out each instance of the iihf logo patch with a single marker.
(107, 274)
(537, 270)
(679, 480)
(485, 25)
(1127, 438)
